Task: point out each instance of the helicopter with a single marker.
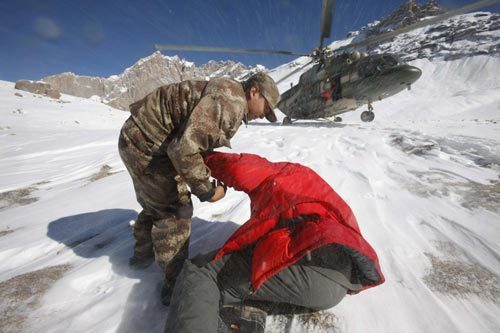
(342, 81)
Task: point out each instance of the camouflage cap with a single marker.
(269, 91)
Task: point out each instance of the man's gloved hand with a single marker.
(220, 191)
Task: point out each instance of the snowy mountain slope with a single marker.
(423, 181)
(447, 87)
(457, 37)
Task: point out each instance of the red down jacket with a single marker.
(286, 190)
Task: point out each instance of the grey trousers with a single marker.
(200, 291)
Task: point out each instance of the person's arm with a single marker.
(206, 127)
(222, 167)
(243, 172)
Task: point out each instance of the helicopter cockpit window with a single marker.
(397, 59)
(386, 62)
(369, 68)
(378, 64)
(390, 61)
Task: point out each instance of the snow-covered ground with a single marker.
(423, 180)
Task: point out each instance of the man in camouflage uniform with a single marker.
(162, 143)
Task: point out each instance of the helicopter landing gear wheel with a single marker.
(287, 121)
(337, 119)
(367, 116)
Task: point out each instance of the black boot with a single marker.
(138, 263)
(166, 292)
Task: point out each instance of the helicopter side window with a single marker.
(330, 88)
(353, 76)
(344, 79)
(369, 68)
(321, 86)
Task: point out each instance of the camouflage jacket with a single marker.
(189, 118)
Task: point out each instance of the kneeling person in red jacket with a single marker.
(301, 246)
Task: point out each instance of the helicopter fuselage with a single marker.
(341, 84)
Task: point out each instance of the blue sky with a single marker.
(103, 37)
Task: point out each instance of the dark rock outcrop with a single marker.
(38, 87)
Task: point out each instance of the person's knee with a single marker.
(192, 275)
(170, 243)
(172, 225)
(326, 297)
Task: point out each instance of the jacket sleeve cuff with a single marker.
(207, 195)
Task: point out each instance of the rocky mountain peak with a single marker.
(476, 33)
(457, 37)
(143, 77)
(407, 14)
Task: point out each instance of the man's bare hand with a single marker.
(220, 192)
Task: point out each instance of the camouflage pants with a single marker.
(163, 226)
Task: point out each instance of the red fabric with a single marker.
(285, 190)
(327, 94)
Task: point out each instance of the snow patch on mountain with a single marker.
(457, 37)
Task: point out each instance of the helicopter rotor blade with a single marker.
(170, 47)
(294, 71)
(326, 20)
(388, 35)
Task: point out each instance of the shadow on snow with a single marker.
(108, 233)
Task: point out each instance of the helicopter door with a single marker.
(337, 92)
(331, 89)
(326, 90)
